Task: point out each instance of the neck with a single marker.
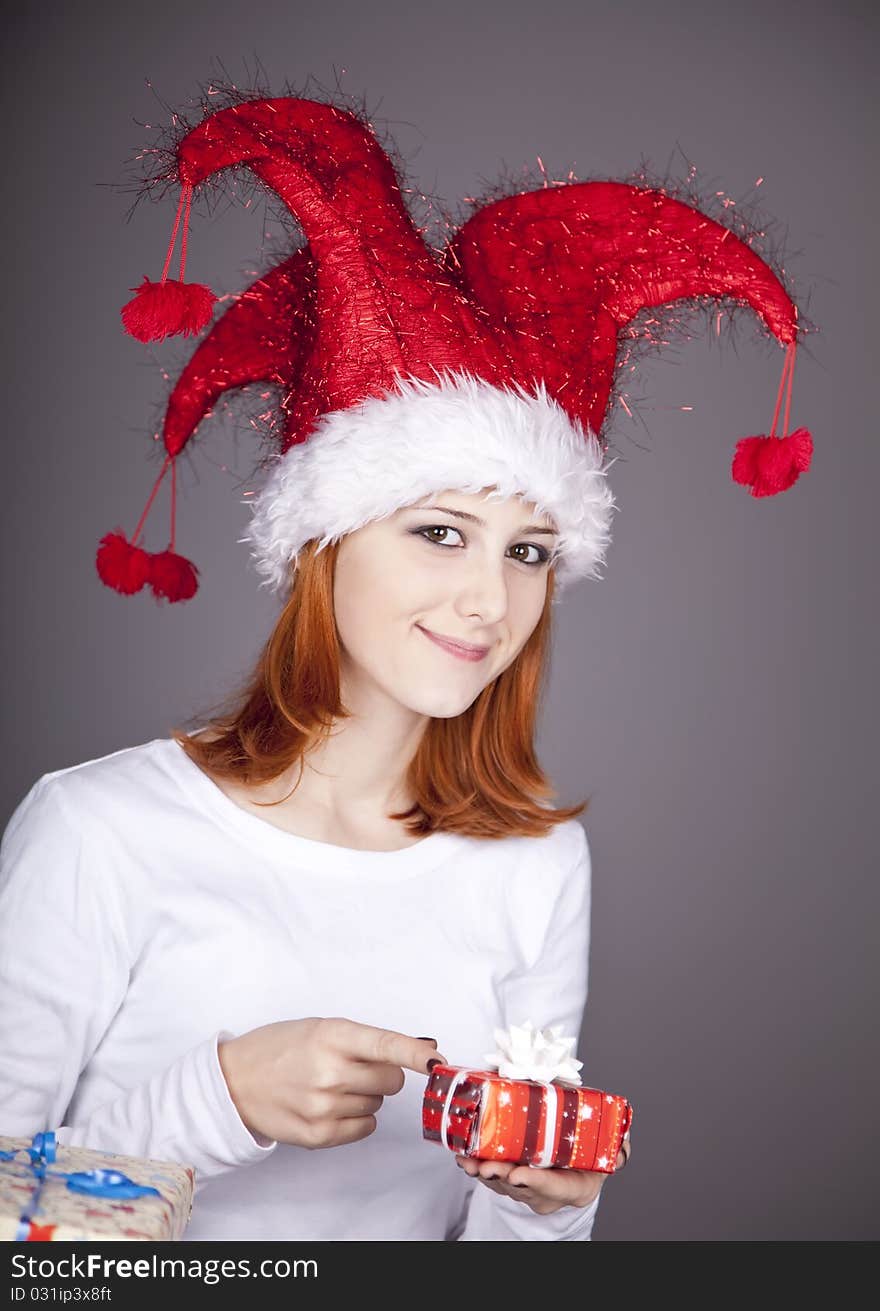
(359, 772)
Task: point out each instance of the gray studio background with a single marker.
(713, 694)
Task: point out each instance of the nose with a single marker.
(483, 590)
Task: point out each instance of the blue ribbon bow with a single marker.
(112, 1184)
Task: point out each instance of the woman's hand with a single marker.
(318, 1082)
(544, 1191)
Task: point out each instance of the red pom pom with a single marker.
(120, 565)
(173, 576)
(769, 465)
(167, 309)
(198, 310)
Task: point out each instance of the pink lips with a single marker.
(454, 648)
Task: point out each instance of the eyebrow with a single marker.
(472, 518)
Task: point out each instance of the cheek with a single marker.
(526, 608)
(352, 599)
(373, 601)
(360, 619)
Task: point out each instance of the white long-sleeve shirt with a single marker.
(145, 916)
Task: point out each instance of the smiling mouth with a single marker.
(463, 652)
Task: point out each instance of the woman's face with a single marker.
(468, 569)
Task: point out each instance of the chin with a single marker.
(440, 704)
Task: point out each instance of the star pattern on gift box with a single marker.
(521, 1117)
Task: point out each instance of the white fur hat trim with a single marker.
(460, 434)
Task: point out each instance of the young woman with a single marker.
(242, 946)
(252, 938)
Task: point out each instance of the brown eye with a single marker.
(435, 528)
(543, 555)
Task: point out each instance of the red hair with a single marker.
(475, 774)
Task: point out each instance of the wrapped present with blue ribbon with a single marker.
(49, 1192)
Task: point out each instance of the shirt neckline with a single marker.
(293, 849)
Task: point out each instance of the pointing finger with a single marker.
(367, 1042)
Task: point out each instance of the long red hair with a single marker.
(475, 774)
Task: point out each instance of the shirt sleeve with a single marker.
(552, 925)
(64, 972)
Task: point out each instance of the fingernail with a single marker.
(424, 1039)
(436, 1060)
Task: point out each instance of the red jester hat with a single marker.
(405, 370)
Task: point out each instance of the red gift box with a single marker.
(481, 1114)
